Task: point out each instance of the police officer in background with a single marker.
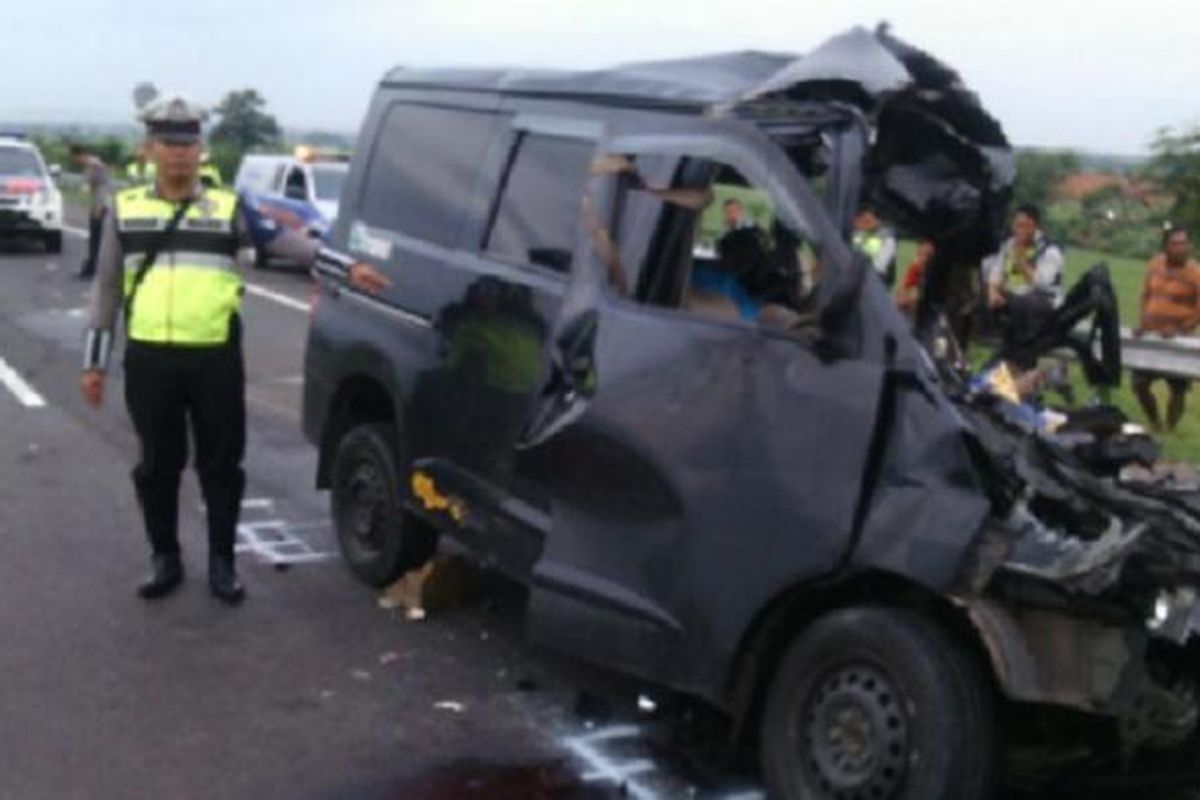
(170, 257)
(877, 242)
(140, 169)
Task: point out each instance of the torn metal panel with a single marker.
(1053, 657)
(928, 493)
(856, 57)
(1049, 657)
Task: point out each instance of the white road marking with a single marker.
(588, 749)
(272, 541)
(80, 232)
(603, 767)
(277, 297)
(258, 502)
(19, 387)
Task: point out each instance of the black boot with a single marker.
(166, 577)
(223, 580)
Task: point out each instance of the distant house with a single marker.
(1080, 185)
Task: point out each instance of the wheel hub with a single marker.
(367, 493)
(855, 734)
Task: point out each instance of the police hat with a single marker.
(174, 118)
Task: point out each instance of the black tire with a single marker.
(376, 543)
(52, 242)
(876, 703)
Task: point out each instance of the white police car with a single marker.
(300, 191)
(30, 203)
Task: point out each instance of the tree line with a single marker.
(242, 125)
(1124, 216)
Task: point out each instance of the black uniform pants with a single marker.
(166, 387)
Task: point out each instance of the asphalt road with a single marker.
(309, 690)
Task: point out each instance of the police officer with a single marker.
(140, 169)
(170, 256)
(209, 174)
(877, 242)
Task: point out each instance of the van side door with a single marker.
(696, 463)
(471, 405)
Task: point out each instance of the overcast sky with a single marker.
(1101, 75)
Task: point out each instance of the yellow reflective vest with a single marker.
(193, 290)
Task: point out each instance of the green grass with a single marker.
(1127, 275)
(756, 202)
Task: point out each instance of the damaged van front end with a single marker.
(1071, 549)
(1084, 585)
(793, 505)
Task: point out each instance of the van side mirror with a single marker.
(55, 171)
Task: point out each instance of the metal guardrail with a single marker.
(1176, 356)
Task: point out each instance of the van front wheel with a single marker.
(378, 544)
(877, 702)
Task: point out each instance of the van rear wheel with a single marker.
(875, 703)
(377, 543)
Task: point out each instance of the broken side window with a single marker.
(703, 239)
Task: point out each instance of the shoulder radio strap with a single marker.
(152, 252)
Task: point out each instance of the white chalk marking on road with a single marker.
(603, 768)
(277, 297)
(258, 502)
(590, 748)
(19, 387)
(272, 541)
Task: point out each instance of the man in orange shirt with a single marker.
(1170, 307)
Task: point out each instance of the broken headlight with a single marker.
(1174, 614)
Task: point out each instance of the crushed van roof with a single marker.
(869, 60)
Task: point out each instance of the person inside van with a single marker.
(717, 287)
(727, 287)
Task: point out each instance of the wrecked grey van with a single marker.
(713, 448)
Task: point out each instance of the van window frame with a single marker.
(521, 127)
(301, 170)
(750, 159)
(359, 184)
